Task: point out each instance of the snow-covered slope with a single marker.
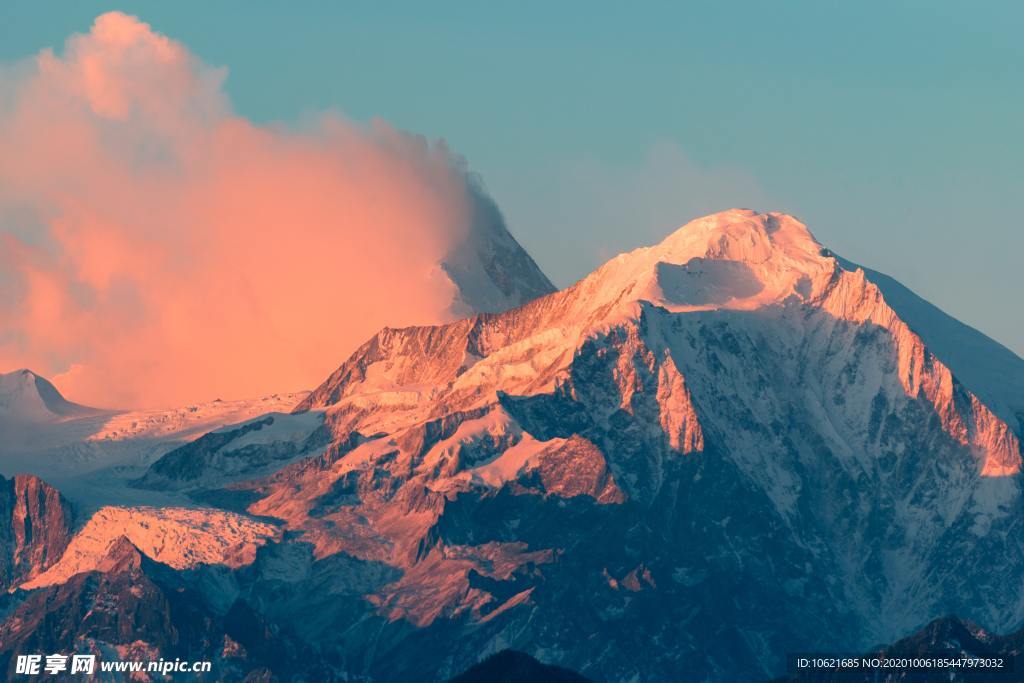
(91, 457)
(180, 538)
(241, 450)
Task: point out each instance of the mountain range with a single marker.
(703, 456)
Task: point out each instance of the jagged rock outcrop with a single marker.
(131, 608)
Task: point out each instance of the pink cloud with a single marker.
(158, 249)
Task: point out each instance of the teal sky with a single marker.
(894, 130)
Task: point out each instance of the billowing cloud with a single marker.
(156, 248)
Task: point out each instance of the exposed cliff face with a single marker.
(35, 528)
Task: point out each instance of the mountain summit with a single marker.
(24, 395)
(736, 259)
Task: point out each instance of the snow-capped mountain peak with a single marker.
(741, 235)
(736, 259)
(24, 395)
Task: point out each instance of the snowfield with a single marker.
(179, 537)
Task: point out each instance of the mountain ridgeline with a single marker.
(705, 455)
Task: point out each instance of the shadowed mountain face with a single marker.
(509, 666)
(703, 456)
(948, 638)
(133, 608)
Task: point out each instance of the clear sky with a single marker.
(893, 129)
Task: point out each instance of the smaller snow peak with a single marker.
(24, 395)
(19, 397)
